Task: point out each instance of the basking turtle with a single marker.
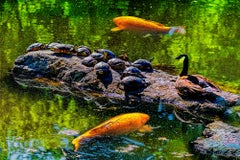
(116, 64)
(52, 44)
(132, 71)
(63, 48)
(107, 54)
(98, 56)
(143, 65)
(89, 61)
(35, 47)
(102, 68)
(83, 51)
(133, 84)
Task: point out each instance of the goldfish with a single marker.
(118, 125)
(138, 24)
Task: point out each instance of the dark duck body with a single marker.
(194, 86)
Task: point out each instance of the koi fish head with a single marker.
(144, 117)
(117, 20)
(78, 141)
(120, 23)
(121, 20)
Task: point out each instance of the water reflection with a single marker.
(18, 148)
(32, 131)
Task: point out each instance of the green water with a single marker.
(31, 119)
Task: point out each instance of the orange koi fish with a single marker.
(139, 24)
(121, 124)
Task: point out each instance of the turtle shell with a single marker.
(143, 65)
(63, 48)
(107, 54)
(35, 47)
(134, 84)
(132, 71)
(102, 68)
(83, 51)
(116, 64)
(52, 44)
(89, 61)
(98, 56)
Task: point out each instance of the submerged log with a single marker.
(219, 139)
(65, 73)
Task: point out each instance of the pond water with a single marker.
(31, 119)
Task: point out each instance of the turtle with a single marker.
(133, 84)
(63, 48)
(132, 71)
(102, 68)
(116, 64)
(98, 56)
(107, 54)
(52, 44)
(83, 51)
(132, 87)
(35, 47)
(89, 61)
(143, 65)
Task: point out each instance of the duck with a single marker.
(194, 86)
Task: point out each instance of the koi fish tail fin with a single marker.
(181, 30)
(77, 142)
(178, 29)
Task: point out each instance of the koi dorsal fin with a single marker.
(157, 23)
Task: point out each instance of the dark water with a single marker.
(31, 119)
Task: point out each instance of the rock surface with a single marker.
(220, 139)
(65, 73)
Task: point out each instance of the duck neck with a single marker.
(185, 67)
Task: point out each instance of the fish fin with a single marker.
(145, 128)
(116, 29)
(181, 30)
(178, 29)
(172, 30)
(157, 23)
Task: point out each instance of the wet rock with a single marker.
(219, 139)
(66, 73)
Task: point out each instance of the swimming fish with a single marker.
(138, 24)
(118, 125)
